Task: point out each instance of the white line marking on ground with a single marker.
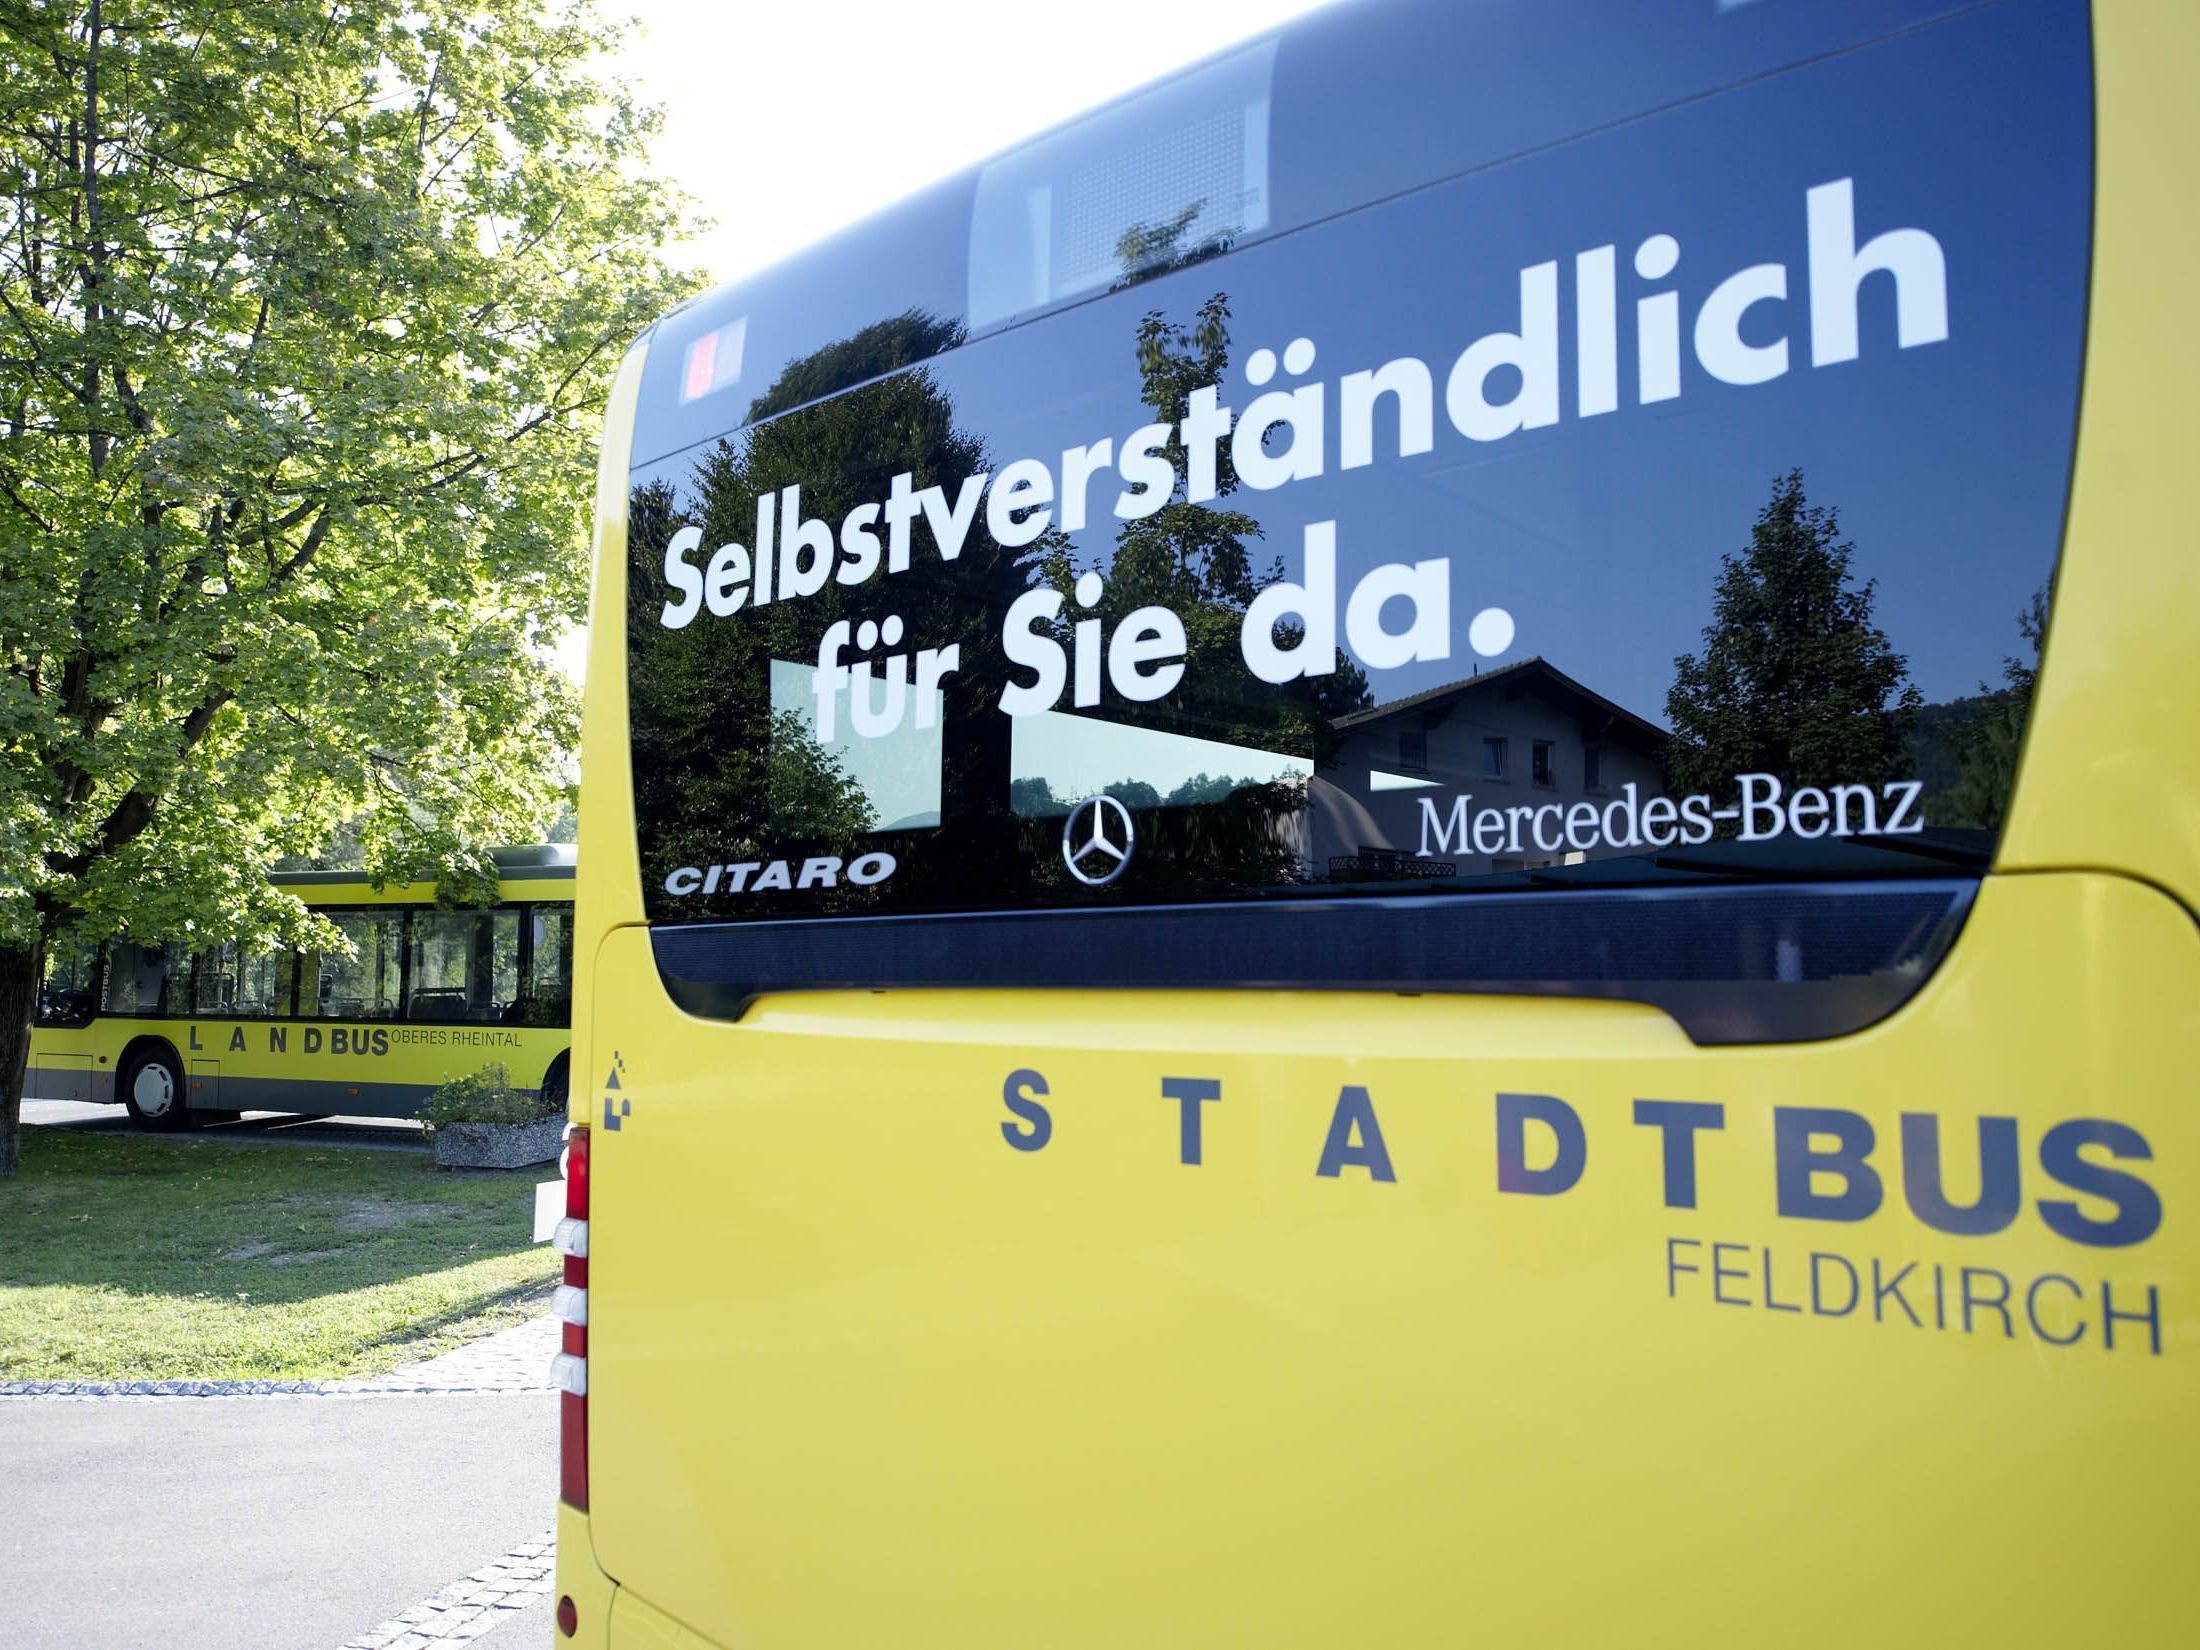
(478, 1604)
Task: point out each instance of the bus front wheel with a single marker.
(151, 1083)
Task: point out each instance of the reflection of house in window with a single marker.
(1371, 808)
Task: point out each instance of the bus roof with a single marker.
(532, 862)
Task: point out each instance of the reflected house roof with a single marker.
(1600, 718)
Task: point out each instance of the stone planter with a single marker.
(499, 1145)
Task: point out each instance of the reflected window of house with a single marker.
(1541, 759)
(1493, 757)
(1413, 749)
(1592, 768)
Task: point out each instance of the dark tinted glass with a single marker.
(1681, 501)
(70, 991)
(147, 979)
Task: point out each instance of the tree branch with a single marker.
(135, 811)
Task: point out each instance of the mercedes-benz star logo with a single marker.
(1097, 839)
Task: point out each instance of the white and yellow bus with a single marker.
(432, 992)
(1401, 848)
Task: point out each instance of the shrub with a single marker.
(484, 1096)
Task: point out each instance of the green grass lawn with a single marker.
(141, 1257)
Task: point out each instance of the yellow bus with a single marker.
(181, 1037)
(1400, 848)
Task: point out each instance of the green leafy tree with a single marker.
(307, 312)
(1988, 740)
(707, 767)
(1196, 560)
(811, 794)
(1795, 679)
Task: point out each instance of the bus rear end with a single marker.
(1399, 847)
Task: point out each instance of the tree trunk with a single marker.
(20, 971)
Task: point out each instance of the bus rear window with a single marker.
(1680, 502)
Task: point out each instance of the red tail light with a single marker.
(571, 1367)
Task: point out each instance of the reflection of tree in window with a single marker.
(1794, 679)
(709, 759)
(1147, 250)
(812, 794)
(1965, 750)
(148, 979)
(1196, 561)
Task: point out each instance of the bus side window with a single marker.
(285, 1001)
(364, 986)
(235, 981)
(502, 972)
(70, 992)
(147, 979)
(548, 998)
(464, 965)
(214, 980)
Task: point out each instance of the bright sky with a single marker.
(789, 119)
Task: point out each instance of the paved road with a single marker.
(263, 1128)
(261, 1523)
